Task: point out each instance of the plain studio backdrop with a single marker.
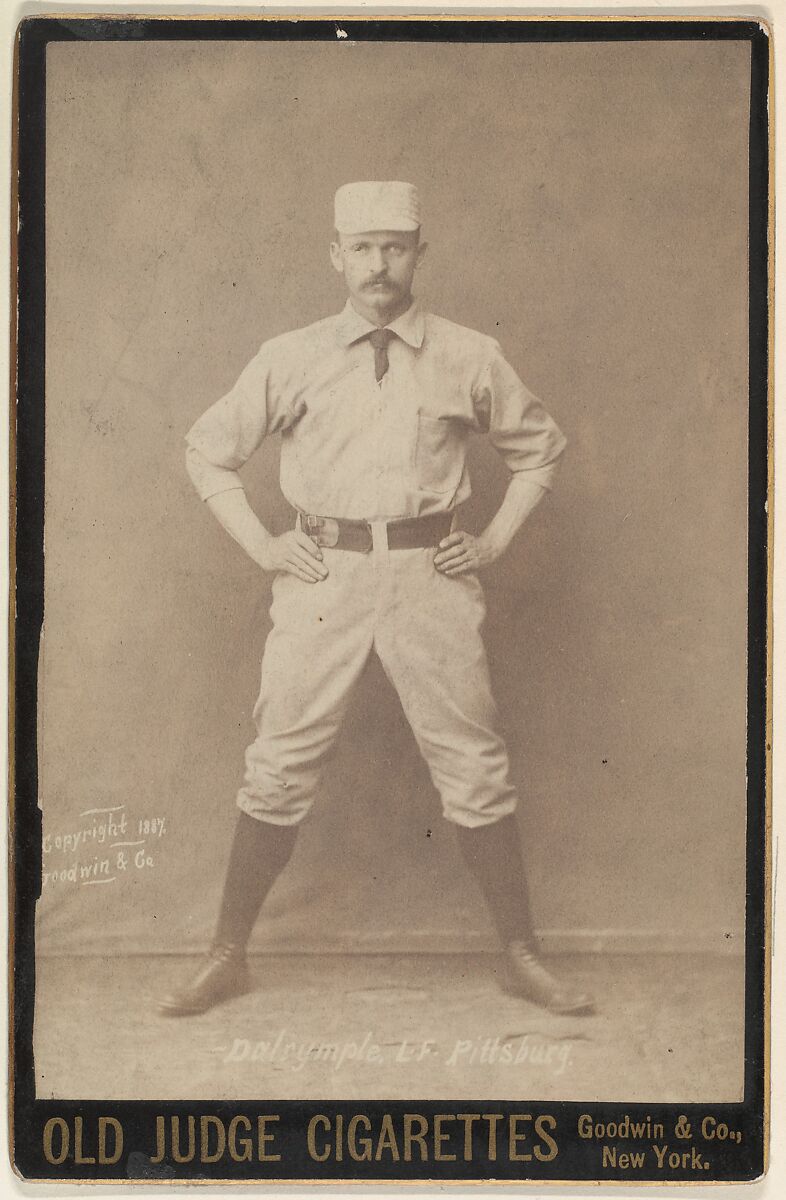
(586, 205)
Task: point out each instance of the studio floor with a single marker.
(668, 1028)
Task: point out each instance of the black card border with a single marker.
(28, 1115)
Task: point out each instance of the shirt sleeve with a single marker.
(528, 439)
(226, 436)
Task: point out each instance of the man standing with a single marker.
(375, 407)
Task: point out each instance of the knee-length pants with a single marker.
(425, 628)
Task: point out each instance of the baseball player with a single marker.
(375, 407)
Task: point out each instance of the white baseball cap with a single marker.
(374, 204)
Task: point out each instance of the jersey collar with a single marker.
(410, 326)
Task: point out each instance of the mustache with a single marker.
(378, 279)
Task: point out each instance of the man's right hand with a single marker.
(295, 552)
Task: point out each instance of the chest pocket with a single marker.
(439, 455)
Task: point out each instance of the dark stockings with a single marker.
(493, 855)
(260, 851)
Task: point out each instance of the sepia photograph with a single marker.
(393, 682)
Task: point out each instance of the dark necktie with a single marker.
(380, 339)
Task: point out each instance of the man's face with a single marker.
(378, 267)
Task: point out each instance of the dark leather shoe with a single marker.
(525, 975)
(223, 974)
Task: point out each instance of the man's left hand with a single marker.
(461, 552)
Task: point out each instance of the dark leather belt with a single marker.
(409, 533)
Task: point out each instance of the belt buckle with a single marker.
(322, 530)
